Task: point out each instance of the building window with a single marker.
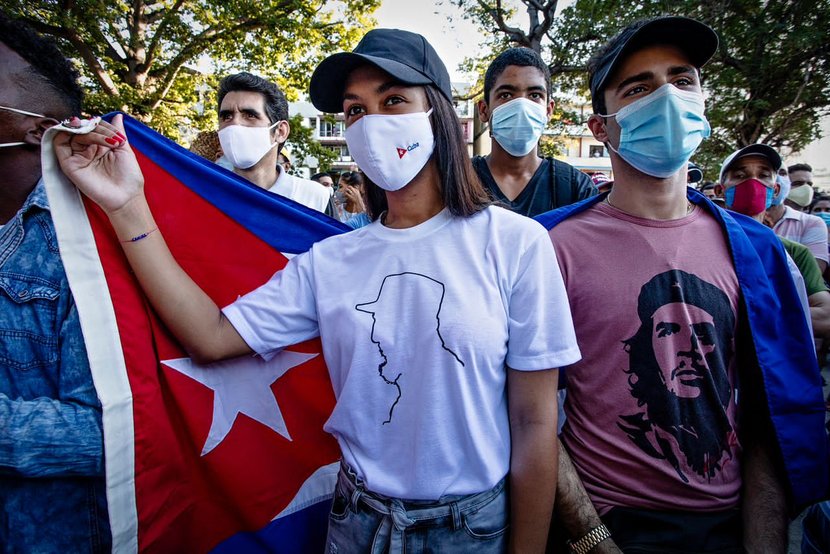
(341, 151)
(331, 128)
(462, 107)
(597, 151)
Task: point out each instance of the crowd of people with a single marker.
(681, 319)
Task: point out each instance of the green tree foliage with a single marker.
(302, 144)
(769, 81)
(497, 20)
(140, 56)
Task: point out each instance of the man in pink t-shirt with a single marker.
(658, 453)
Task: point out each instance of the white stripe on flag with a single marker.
(103, 343)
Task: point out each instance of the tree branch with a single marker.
(474, 93)
(538, 30)
(167, 74)
(155, 42)
(83, 50)
(135, 27)
(158, 97)
(782, 127)
(497, 15)
(561, 69)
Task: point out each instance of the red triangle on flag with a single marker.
(401, 152)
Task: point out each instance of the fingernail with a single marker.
(112, 140)
(122, 137)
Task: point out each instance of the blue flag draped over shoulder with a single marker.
(781, 346)
(228, 458)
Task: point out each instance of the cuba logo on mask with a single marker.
(391, 169)
(402, 151)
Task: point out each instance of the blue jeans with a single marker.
(361, 521)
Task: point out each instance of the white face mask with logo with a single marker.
(245, 146)
(391, 149)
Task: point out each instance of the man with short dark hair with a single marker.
(693, 470)
(801, 186)
(253, 127)
(517, 106)
(324, 179)
(795, 225)
(52, 486)
(708, 190)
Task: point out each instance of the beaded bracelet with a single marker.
(141, 236)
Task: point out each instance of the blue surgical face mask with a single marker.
(660, 132)
(783, 182)
(518, 124)
(825, 216)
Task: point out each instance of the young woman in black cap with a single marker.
(440, 321)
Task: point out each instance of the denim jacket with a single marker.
(52, 489)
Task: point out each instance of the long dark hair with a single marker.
(461, 189)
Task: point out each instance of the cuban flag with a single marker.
(226, 458)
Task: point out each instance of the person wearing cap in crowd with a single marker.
(601, 181)
(796, 225)
(517, 105)
(52, 486)
(284, 161)
(708, 190)
(693, 174)
(253, 127)
(801, 183)
(748, 182)
(657, 454)
(440, 321)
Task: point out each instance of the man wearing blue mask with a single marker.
(517, 106)
(658, 455)
(52, 488)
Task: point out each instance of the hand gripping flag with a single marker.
(226, 458)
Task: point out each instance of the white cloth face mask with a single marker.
(244, 146)
(391, 149)
(21, 112)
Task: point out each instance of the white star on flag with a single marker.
(241, 386)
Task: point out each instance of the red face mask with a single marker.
(749, 197)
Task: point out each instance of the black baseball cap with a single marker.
(758, 149)
(407, 56)
(697, 40)
(693, 173)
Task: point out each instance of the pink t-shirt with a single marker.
(651, 405)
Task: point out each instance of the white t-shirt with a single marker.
(308, 193)
(417, 325)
